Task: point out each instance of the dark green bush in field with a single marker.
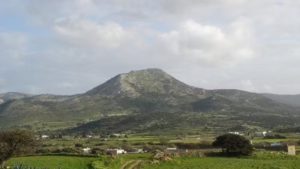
(66, 150)
(79, 145)
(193, 145)
(275, 136)
(153, 148)
(233, 145)
(15, 142)
(43, 151)
(97, 151)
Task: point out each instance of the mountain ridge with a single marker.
(145, 100)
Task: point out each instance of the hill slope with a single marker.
(293, 100)
(147, 101)
(4, 97)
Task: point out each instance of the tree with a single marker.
(233, 145)
(15, 142)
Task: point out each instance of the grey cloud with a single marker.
(251, 45)
(209, 44)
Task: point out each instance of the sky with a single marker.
(71, 46)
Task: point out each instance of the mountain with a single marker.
(145, 82)
(148, 100)
(293, 100)
(4, 97)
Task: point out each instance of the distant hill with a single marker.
(147, 100)
(4, 97)
(293, 100)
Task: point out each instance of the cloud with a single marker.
(209, 44)
(57, 45)
(248, 86)
(89, 34)
(13, 48)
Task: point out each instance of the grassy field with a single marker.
(227, 163)
(130, 161)
(54, 162)
(143, 161)
(136, 161)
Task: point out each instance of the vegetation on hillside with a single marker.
(147, 101)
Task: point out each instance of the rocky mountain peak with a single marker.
(140, 82)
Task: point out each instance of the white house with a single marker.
(116, 151)
(89, 136)
(291, 149)
(44, 136)
(86, 150)
(235, 132)
(171, 149)
(121, 151)
(262, 134)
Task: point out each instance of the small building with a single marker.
(262, 134)
(236, 133)
(291, 149)
(116, 151)
(117, 135)
(171, 149)
(277, 144)
(86, 150)
(135, 151)
(44, 136)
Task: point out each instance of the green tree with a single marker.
(233, 145)
(15, 142)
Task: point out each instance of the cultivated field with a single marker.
(54, 162)
(66, 153)
(225, 163)
(258, 161)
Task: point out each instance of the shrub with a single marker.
(233, 145)
(15, 142)
(78, 145)
(276, 136)
(193, 145)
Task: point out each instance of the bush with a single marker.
(233, 145)
(97, 151)
(15, 142)
(78, 145)
(66, 150)
(276, 136)
(43, 151)
(202, 145)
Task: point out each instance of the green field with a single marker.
(260, 160)
(227, 163)
(54, 162)
(144, 161)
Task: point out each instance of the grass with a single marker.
(226, 163)
(260, 140)
(262, 160)
(54, 162)
(121, 162)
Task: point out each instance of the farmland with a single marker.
(66, 153)
(54, 162)
(258, 161)
(227, 163)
